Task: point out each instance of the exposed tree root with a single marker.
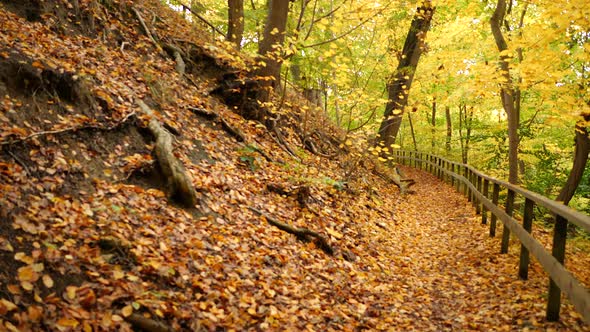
(396, 178)
(228, 128)
(119, 252)
(143, 323)
(281, 142)
(178, 56)
(302, 193)
(303, 234)
(147, 30)
(231, 130)
(180, 186)
(69, 129)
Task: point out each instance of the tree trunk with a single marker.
(270, 47)
(433, 123)
(580, 159)
(449, 129)
(465, 122)
(412, 131)
(507, 91)
(398, 86)
(235, 24)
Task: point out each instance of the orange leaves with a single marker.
(6, 306)
(29, 274)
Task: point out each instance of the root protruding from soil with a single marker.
(302, 234)
(180, 187)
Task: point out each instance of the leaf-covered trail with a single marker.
(455, 278)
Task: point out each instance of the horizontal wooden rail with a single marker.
(475, 185)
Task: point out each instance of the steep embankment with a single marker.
(92, 236)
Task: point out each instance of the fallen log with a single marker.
(302, 234)
(180, 187)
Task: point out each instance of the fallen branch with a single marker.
(202, 19)
(64, 130)
(302, 234)
(180, 186)
(146, 29)
(138, 321)
(233, 131)
(20, 162)
(281, 142)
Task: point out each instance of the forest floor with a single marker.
(91, 238)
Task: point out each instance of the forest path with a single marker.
(455, 277)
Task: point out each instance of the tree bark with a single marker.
(235, 24)
(270, 47)
(449, 129)
(507, 91)
(398, 86)
(433, 124)
(580, 159)
(465, 122)
(412, 132)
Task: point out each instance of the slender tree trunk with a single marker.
(433, 124)
(449, 129)
(580, 159)
(270, 47)
(398, 86)
(235, 24)
(465, 122)
(412, 131)
(507, 91)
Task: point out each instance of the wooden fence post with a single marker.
(506, 231)
(466, 187)
(484, 212)
(453, 178)
(478, 204)
(527, 224)
(558, 251)
(495, 195)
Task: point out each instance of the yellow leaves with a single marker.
(6, 245)
(71, 292)
(64, 323)
(47, 281)
(28, 275)
(118, 274)
(127, 311)
(6, 306)
(334, 233)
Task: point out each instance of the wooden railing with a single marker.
(478, 187)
